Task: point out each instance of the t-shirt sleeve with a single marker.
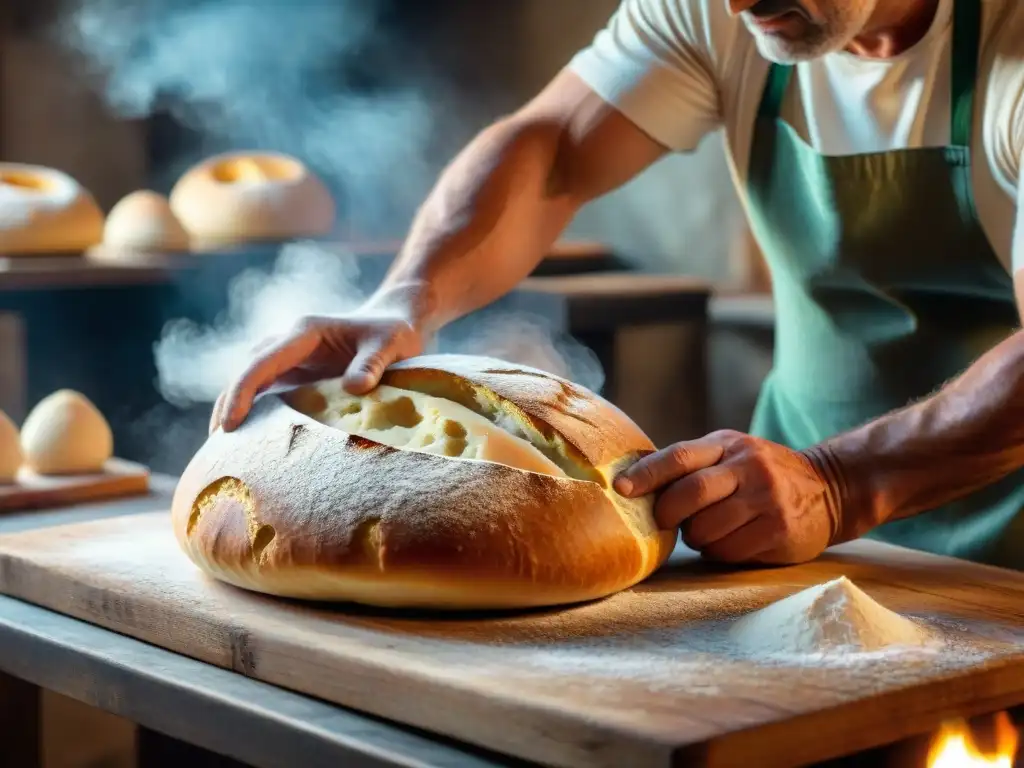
(1006, 147)
(652, 63)
(1018, 230)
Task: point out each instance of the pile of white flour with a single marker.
(833, 617)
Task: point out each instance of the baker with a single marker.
(877, 148)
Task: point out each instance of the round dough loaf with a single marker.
(10, 450)
(144, 221)
(239, 197)
(65, 434)
(460, 483)
(43, 210)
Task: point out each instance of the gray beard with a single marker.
(794, 51)
(839, 30)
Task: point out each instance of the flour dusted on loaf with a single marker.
(10, 450)
(830, 617)
(461, 482)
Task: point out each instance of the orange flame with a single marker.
(954, 746)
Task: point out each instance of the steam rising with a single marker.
(270, 74)
(196, 362)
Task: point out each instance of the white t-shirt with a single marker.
(680, 69)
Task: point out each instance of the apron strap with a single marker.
(966, 45)
(775, 88)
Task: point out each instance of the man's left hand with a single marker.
(738, 498)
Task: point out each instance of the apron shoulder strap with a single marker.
(966, 47)
(779, 76)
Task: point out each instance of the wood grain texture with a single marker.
(259, 724)
(101, 268)
(120, 478)
(641, 679)
(13, 366)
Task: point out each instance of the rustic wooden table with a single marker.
(185, 710)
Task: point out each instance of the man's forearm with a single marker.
(968, 435)
(492, 216)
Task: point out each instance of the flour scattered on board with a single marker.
(833, 617)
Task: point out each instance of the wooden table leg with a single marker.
(13, 366)
(156, 750)
(20, 723)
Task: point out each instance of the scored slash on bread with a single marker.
(462, 482)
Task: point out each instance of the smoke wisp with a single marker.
(195, 362)
(278, 74)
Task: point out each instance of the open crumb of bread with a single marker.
(414, 421)
(460, 482)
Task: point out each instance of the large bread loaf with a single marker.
(460, 482)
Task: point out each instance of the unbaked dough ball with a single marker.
(144, 221)
(65, 434)
(10, 450)
(238, 197)
(43, 210)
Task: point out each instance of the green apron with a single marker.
(885, 288)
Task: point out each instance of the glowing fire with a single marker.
(954, 746)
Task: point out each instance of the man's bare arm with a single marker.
(501, 204)
(966, 437)
(491, 218)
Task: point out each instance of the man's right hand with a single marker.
(357, 347)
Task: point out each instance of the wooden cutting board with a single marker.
(642, 679)
(119, 478)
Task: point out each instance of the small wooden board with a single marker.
(119, 478)
(643, 679)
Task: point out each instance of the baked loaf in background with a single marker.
(65, 434)
(10, 450)
(460, 483)
(43, 210)
(239, 197)
(143, 221)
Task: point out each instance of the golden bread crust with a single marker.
(289, 506)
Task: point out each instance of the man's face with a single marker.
(788, 31)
